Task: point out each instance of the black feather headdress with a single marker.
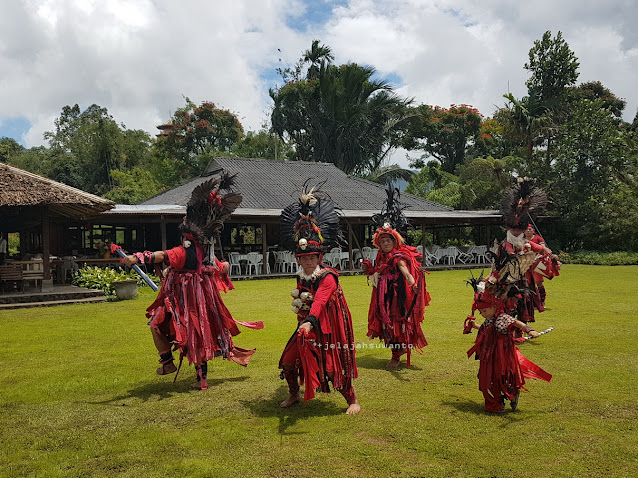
(522, 203)
(211, 203)
(310, 225)
(391, 220)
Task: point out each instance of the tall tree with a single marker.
(262, 144)
(9, 147)
(528, 117)
(196, 134)
(553, 67)
(445, 134)
(593, 90)
(89, 144)
(338, 114)
(594, 153)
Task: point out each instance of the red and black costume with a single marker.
(531, 298)
(396, 310)
(189, 314)
(546, 267)
(327, 352)
(503, 368)
(520, 205)
(330, 347)
(190, 311)
(396, 307)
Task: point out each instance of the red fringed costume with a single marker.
(531, 299)
(190, 311)
(322, 349)
(503, 368)
(519, 206)
(330, 347)
(396, 310)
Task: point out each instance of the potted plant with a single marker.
(125, 289)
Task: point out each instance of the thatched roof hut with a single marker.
(29, 202)
(20, 188)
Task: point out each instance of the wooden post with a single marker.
(264, 250)
(47, 282)
(163, 232)
(350, 256)
(423, 243)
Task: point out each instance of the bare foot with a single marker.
(394, 363)
(166, 368)
(291, 400)
(354, 408)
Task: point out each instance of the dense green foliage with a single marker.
(600, 258)
(79, 394)
(338, 114)
(570, 137)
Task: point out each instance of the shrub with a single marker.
(599, 258)
(103, 278)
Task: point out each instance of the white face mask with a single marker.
(516, 241)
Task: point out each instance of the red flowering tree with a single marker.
(197, 132)
(446, 134)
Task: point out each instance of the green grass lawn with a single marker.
(79, 395)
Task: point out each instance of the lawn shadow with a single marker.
(317, 407)
(477, 408)
(164, 390)
(374, 363)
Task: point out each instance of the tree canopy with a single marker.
(338, 114)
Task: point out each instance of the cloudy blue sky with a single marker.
(140, 58)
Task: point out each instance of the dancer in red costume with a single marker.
(520, 206)
(189, 314)
(322, 348)
(399, 294)
(546, 266)
(503, 369)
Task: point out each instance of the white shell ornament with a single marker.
(303, 243)
(187, 244)
(294, 293)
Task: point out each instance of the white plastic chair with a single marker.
(290, 263)
(464, 257)
(279, 261)
(233, 260)
(253, 262)
(479, 252)
(430, 259)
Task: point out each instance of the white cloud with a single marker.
(139, 58)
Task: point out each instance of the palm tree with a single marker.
(389, 174)
(530, 117)
(316, 56)
(357, 118)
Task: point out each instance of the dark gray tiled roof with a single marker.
(268, 184)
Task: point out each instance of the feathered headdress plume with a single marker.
(211, 203)
(391, 220)
(310, 225)
(522, 203)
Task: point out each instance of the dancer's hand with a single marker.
(305, 328)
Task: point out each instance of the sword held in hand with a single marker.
(529, 337)
(115, 249)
